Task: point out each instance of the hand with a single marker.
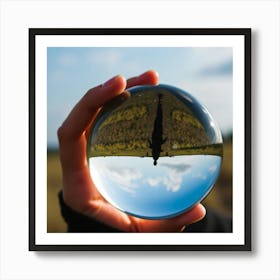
(79, 191)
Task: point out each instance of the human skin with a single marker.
(79, 191)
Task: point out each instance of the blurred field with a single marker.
(220, 198)
(55, 222)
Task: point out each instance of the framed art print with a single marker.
(127, 170)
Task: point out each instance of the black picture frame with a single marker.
(245, 33)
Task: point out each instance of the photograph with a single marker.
(144, 134)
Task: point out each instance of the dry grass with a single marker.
(220, 198)
(55, 222)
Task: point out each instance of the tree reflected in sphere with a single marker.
(154, 151)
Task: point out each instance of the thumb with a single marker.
(194, 215)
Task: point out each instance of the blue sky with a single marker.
(204, 72)
(141, 188)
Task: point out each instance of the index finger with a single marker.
(82, 114)
(150, 77)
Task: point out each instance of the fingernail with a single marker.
(151, 70)
(111, 81)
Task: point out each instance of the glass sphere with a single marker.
(154, 151)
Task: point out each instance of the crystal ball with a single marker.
(154, 151)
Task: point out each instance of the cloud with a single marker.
(216, 93)
(174, 179)
(67, 60)
(125, 177)
(173, 182)
(212, 169)
(106, 57)
(153, 182)
(210, 55)
(57, 76)
(200, 58)
(220, 69)
(177, 167)
(199, 176)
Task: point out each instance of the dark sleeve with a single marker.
(76, 222)
(212, 222)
